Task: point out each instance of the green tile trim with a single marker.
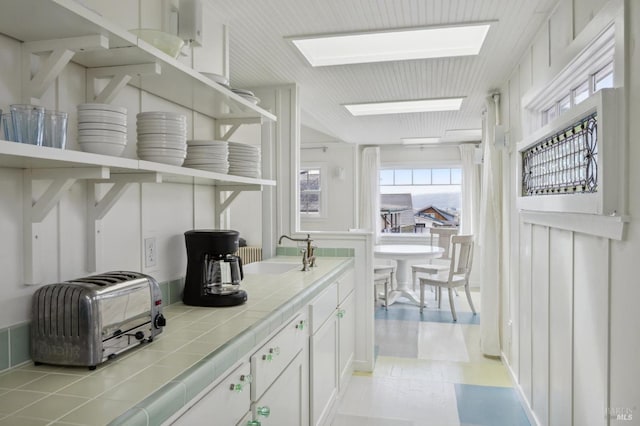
(175, 290)
(162, 405)
(19, 341)
(133, 417)
(4, 349)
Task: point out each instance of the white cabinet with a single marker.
(285, 402)
(332, 346)
(228, 402)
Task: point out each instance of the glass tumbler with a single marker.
(55, 129)
(7, 127)
(28, 123)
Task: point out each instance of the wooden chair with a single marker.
(383, 275)
(436, 265)
(457, 274)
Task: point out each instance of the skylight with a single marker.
(420, 141)
(394, 45)
(400, 107)
(463, 135)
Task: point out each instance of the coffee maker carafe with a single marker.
(213, 271)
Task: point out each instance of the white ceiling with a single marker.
(260, 55)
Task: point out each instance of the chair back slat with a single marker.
(444, 235)
(461, 255)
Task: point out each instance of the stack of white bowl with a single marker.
(102, 128)
(244, 160)
(209, 155)
(162, 137)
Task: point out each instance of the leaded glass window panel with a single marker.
(566, 162)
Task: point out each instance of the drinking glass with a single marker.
(28, 123)
(55, 129)
(7, 127)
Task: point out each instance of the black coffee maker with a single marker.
(213, 271)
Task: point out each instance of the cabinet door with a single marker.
(226, 403)
(346, 339)
(285, 402)
(324, 369)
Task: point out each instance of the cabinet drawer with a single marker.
(228, 402)
(346, 284)
(323, 306)
(272, 358)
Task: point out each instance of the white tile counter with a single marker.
(145, 386)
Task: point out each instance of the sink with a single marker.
(273, 268)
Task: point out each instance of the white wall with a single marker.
(568, 332)
(164, 211)
(338, 160)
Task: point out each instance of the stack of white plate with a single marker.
(208, 155)
(220, 79)
(244, 160)
(247, 94)
(162, 137)
(102, 128)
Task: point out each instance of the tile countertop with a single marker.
(146, 385)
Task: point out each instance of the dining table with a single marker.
(405, 255)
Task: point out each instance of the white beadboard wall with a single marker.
(164, 211)
(569, 333)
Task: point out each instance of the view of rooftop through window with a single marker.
(412, 200)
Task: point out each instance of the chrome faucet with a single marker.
(308, 257)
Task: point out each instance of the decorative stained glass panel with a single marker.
(564, 163)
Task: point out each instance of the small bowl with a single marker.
(168, 43)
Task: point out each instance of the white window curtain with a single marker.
(370, 191)
(470, 190)
(488, 240)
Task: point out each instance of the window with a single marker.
(596, 81)
(603, 78)
(580, 93)
(412, 200)
(311, 191)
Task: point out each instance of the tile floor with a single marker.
(430, 371)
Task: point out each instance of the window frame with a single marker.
(322, 199)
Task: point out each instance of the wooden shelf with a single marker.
(23, 156)
(38, 20)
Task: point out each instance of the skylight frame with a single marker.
(401, 44)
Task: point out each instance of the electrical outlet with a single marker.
(150, 253)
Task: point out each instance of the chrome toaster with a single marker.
(84, 322)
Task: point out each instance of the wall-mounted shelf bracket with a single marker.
(36, 210)
(38, 75)
(235, 123)
(119, 75)
(221, 205)
(98, 207)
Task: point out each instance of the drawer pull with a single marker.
(238, 387)
(301, 325)
(254, 423)
(267, 357)
(341, 313)
(275, 351)
(263, 411)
